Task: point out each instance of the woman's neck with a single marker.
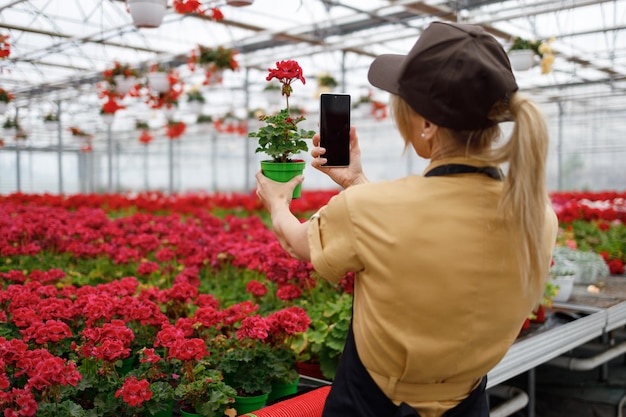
(438, 153)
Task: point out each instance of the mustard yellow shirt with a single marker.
(438, 299)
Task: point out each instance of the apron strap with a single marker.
(451, 169)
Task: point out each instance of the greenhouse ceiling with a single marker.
(59, 48)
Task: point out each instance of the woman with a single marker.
(449, 264)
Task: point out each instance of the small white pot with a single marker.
(108, 118)
(195, 106)
(124, 84)
(147, 13)
(522, 59)
(158, 81)
(3, 106)
(565, 286)
(10, 132)
(169, 112)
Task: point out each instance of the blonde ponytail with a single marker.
(525, 196)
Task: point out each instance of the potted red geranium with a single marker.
(280, 137)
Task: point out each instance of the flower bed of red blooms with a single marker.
(86, 280)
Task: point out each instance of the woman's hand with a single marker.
(275, 194)
(344, 176)
(291, 233)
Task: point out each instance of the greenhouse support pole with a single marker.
(118, 179)
(170, 160)
(110, 156)
(18, 164)
(214, 158)
(559, 149)
(146, 186)
(60, 147)
(247, 174)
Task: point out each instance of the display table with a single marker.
(600, 313)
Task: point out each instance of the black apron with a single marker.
(355, 394)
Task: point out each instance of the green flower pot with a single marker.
(245, 405)
(283, 172)
(280, 390)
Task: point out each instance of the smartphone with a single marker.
(335, 128)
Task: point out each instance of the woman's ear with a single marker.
(429, 129)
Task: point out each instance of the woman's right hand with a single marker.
(344, 176)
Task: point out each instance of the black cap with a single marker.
(452, 77)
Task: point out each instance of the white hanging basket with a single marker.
(522, 59)
(147, 13)
(124, 84)
(195, 106)
(3, 106)
(158, 81)
(108, 118)
(10, 132)
(51, 126)
(169, 112)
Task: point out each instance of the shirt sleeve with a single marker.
(332, 242)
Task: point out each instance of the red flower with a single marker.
(168, 336)
(253, 327)
(188, 349)
(286, 72)
(616, 266)
(288, 292)
(208, 316)
(52, 331)
(145, 137)
(147, 267)
(111, 106)
(150, 356)
(111, 350)
(287, 322)
(379, 110)
(134, 392)
(188, 6)
(255, 288)
(217, 14)
(5, 46)
(175, 129)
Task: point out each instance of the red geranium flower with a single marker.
(286, 72)
(134, 392)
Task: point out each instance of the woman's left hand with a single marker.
(275, 194)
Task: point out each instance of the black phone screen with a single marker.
(335, 128)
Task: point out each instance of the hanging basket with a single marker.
(147, 13)
(51, 126)
(169, 112)
(158, 81)
(522, 59)
(10, 132)
(108, 118)
(195, 107)
(124, 84)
